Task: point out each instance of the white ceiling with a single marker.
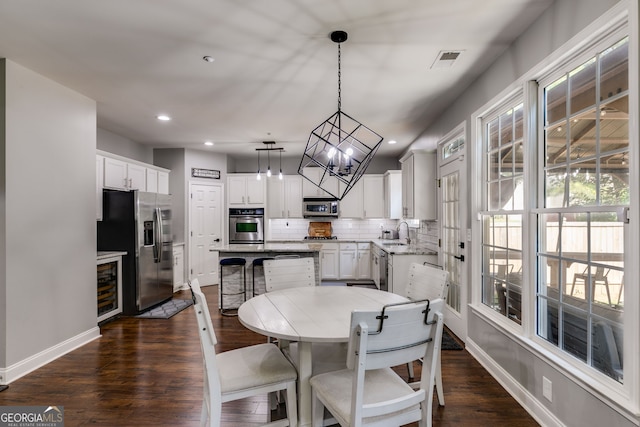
(275, 71)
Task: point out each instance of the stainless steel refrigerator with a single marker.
(140, 224)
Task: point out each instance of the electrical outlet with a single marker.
(546, 389)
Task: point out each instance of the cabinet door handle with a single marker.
(130, 182)
(461, 257)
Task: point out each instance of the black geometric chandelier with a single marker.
(341, 146)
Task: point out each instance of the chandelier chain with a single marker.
(339, 79)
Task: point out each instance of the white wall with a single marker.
(117, 144)
(48, 193)
(514, 364)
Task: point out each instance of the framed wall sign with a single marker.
(205, 173)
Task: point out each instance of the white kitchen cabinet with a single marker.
(284, 197)
(99, 185)
(351, 204)
(311, 190)
(372, 190)
(178, 267)
(163, 182)
(419, 185)
(329, 261)
(355, 261)
(363, 270)
(393, 194)
(122, 175)
(245, 190)
(152, 180)
(364, 199)
(398, 270)
(348, 260)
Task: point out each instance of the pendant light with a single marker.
(341, 146)
(269, 146)
(258, 177)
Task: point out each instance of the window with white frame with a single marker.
(581, 217)
(503, 209)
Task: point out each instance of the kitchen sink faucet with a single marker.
(398, 230)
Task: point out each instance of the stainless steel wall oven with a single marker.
(246, 225)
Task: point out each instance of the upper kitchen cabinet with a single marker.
(363, 200)
(393, 194)
(372, 203)
(419, 185)
(157, 181)
(120, 173)
(245, 190)
(284, 197)
(311, 190)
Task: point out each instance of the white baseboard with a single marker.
(528, 401)
(30, 364)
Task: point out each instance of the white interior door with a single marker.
(454, 236)
(205, 231)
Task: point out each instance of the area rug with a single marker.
(448, 343)
(166, 310)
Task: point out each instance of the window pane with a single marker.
(614, 70)
(574, 326)
(554, 188)
(582, 184)
(518, 122)
(556, 101)
(494, 165)
(494, 196)
(608, 348)
(583, 86)
(551, 238)
(583, 136)
(575, 236)
(493, 135)
(506, 127)
(548, 320)
(614, 125)
(556, 145)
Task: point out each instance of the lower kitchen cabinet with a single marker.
(398, 270)
(364, 261)
(329, 261)
(178, 267)
(109, 284)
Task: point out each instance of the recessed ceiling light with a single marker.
(163, 117)
(208, 58)
(392, 141)
(209, 143)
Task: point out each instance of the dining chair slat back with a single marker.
(426, 282)
(378, 342)
(226, 374)
(289, 273)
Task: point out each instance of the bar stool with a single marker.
(258, 262)
(229, 263)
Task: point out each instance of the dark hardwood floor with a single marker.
(148, 372)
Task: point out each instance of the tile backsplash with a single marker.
(426, 235)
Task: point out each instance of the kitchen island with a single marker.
(251, 252)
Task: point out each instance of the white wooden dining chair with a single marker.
(368, 391)
(240, 373)
(285, 273)
(426, 282)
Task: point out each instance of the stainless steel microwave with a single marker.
(320, 207)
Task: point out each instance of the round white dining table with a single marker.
(310, 315)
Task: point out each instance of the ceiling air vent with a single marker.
(446, 58)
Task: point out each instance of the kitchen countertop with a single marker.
(271, 247)
(109, 254)
(392, 247)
